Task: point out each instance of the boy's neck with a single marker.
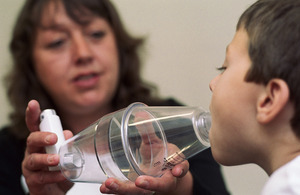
(281, 151)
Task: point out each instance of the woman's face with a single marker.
(77, 64)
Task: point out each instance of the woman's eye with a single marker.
(55, 44)
(98, 34)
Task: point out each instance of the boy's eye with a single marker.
(221, 69)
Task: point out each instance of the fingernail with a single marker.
(180, 172)
(144, 184)
(49, 139)
(114, 186)
(51, 158)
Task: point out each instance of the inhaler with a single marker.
(50, 122)
(137, 140)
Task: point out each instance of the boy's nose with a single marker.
(212, 83)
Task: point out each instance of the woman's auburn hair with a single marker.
(22, 83)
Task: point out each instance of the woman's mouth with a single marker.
(85, 77)
(87, 80)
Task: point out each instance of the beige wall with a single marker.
(186, 41)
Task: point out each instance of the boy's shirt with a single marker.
(285, 180)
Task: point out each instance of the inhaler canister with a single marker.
(50, 122)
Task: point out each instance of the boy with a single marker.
(255, 104)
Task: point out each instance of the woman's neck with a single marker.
(76, 122)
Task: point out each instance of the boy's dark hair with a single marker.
(273, 27)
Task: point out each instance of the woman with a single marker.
(76, 57)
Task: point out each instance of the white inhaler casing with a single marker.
(50, 122)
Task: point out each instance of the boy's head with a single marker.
(259, 87)
(273, 27)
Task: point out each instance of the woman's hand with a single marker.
(36, 162)
(176, 181)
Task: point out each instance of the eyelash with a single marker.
(221, 68)
(98, 34)
(55, 44)
(58, 43)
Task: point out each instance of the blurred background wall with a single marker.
(186, 41)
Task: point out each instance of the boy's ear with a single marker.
(272, 101)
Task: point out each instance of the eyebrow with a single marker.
(52, 27)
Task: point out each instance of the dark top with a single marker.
(206, 172)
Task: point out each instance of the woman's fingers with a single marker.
(166, 183)
(68, 134)
(32, 117)
(181, 169)
(44, 177)
(36, 161)
(36, 141)
(114, 186)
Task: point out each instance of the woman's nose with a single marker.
(82, 51)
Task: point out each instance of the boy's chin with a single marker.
(222, 158)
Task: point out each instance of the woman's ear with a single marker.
(272, 101)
